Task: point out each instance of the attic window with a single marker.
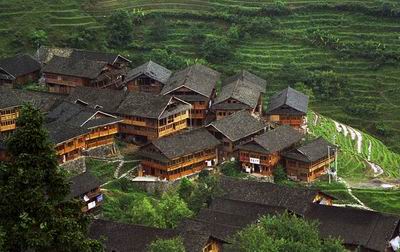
(98, 107)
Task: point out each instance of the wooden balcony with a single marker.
(102, 133)
(168, 131)
(7, 127)
(182, 174)
(9, 117)
(70, 148)
(148, 163)
(97, 142)
(135, 122)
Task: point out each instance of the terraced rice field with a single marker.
(264, 55)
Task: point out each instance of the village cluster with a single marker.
(183, 125)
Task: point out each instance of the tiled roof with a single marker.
(241, 90)
(288, 98)
(238, 125)
(83, 183)
(292, 198)
(247, 76)
(152, 70)
(19, 65)
(44, 54)
(368, 229)
(312, 151)
(74, 67)
(198, 78)
(274, 140)
(185, 143)
(60, 131)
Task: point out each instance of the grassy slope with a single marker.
(351, 164)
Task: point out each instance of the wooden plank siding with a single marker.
(307, 171)
(295, 121)
(144, 84)
(179, 167)
(267, 162)
(153, 128)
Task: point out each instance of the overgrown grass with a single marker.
(337, 190)
(103, 170)
(383, 200)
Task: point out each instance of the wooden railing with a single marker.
(182, 174)
(102, 133)
(8, 127)
(135, 122)
(168, 131)
(97, 143)
(9, 117)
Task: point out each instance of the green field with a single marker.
(265, 54)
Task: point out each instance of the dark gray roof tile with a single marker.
(312, 151)
(20, 65)
(238, 125)
(83, 183)
(198, 78)
(288, 98)
(247, 76)
(241, 90)
(75, 67)
(151, 70)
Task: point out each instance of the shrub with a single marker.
(120, 29)
(279, 174)
(216, 49)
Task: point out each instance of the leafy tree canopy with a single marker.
(283, 233)
(33, 210)
(120, 26)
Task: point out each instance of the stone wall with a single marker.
(104, 151)
(75, 166)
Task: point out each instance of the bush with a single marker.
(216, 49)
(167, 58)
(120, 29)
(279, 174)
(231, 169)
(167, 245)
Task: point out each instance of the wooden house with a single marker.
(289, 107)
(9, 110)
(100, 127)
(195, 85)
(66, 69)
(149, 77)
(264, 152)
(124, 237)
(234, 130)
(309, 161)
(145, 116)
(244, 201)
(19, 70)
(241, 91)
(180, 155)
(358, 229)
(86, 188)
(45, 54)
(68, 140)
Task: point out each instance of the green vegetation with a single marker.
(34, 212)
(167, 245)
(283, 233)
(103, 170)
(126, 203)
(232, 169)
(351, 164)
(384, 200)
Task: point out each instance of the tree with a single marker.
(284, 232)
(216, 49)
(207, 187)
(159, 29)
(39, 37)
(300, 86)
(120, 27)
(167, 58)
(144, 213)
(87, 38)
(167, 245)
(185, 189)
(172, 210)
(33, 210)
(279, 174)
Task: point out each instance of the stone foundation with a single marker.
(104, 151)
(75, 166)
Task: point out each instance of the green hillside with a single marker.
(352, 159)
(351, 47)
